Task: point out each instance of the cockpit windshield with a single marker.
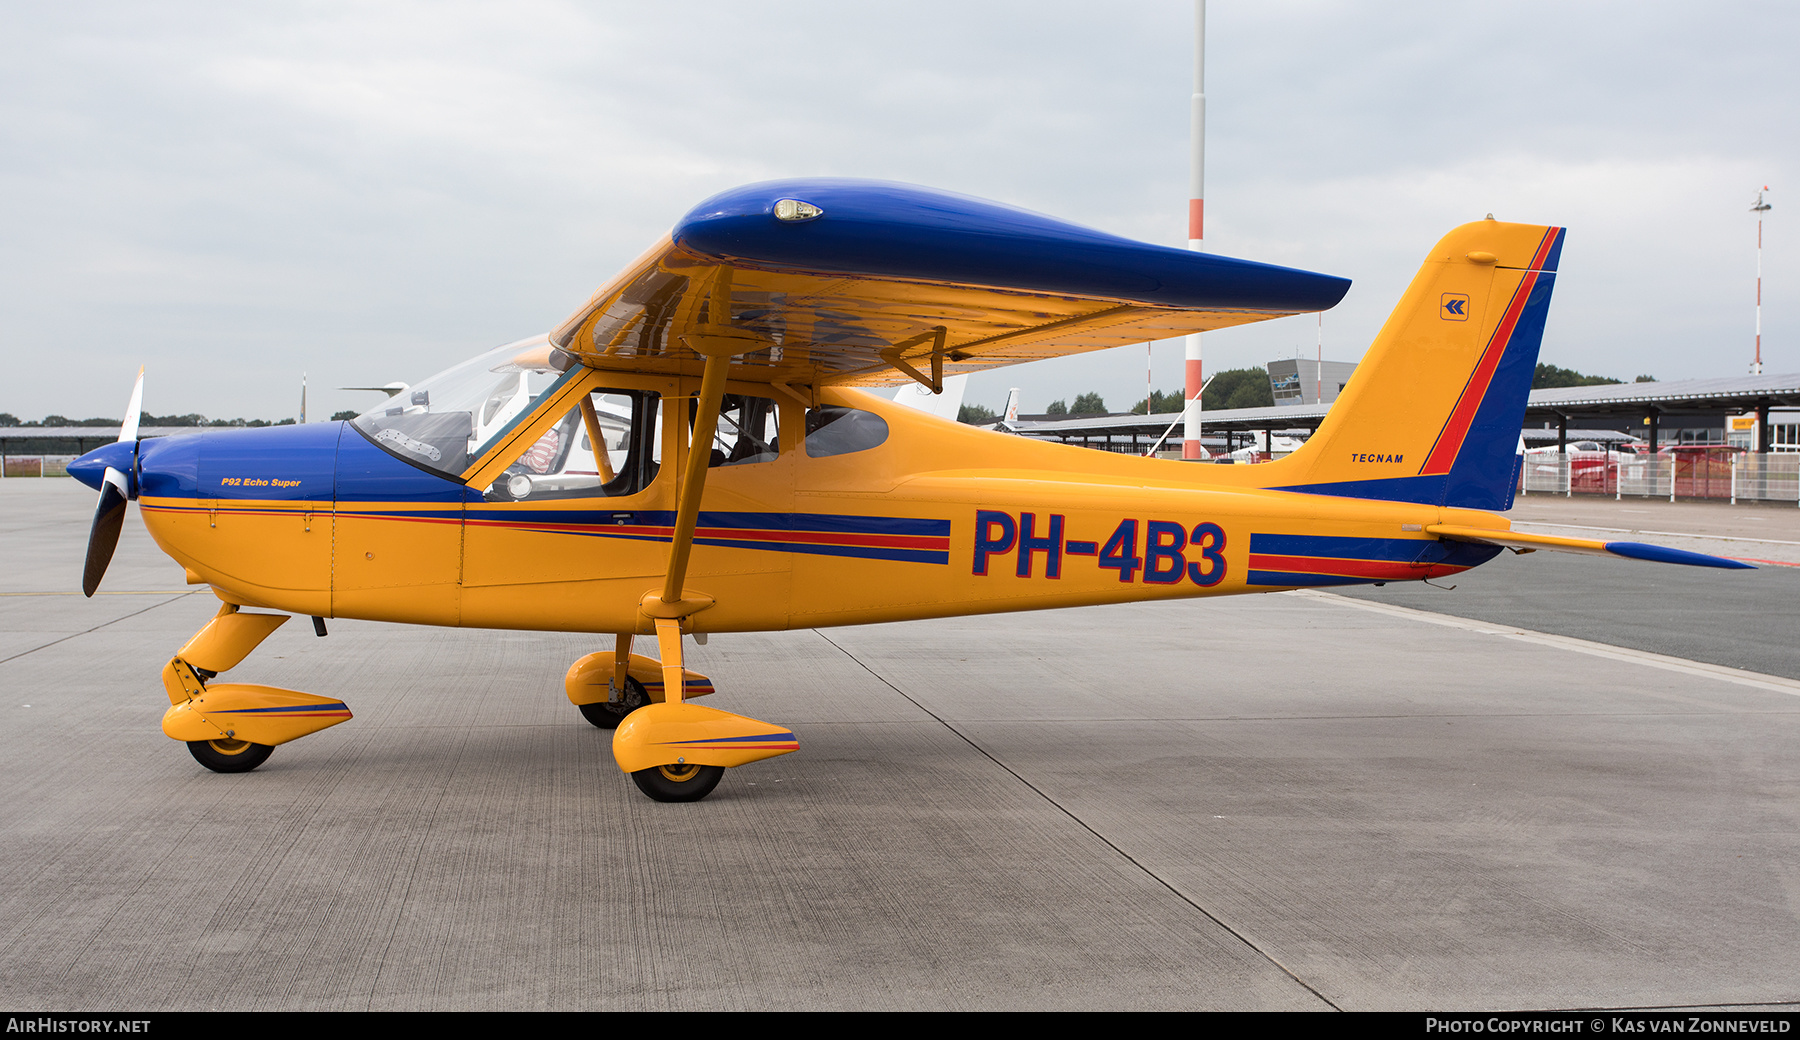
(449, 420)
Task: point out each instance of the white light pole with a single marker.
(1759, 209)
(1195, 374)
(1319, 365)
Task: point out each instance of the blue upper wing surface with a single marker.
(876, 271)
(885, 229)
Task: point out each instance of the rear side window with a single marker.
(831, 430)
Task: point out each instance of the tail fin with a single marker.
(1432, 414)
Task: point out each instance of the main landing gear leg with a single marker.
(232, 727)
(681, 780)
(677, 751)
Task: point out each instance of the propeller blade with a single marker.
(103, 538)
(134, 410)
(115, 489)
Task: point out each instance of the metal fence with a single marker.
(35, 465)
(1768, 478)
(1764, 478)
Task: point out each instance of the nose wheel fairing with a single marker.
(265, 715)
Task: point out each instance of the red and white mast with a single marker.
(1759, 209)
(1196, 382)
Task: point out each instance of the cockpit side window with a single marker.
(566, 461)
(834, 430)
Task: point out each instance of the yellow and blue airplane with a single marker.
(686, 454)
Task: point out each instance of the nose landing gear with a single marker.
(233, 727)
(229, 756)
(678, 783)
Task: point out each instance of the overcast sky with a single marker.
(232, 194)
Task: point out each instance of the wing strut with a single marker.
(596, 441)
(933, 382)
(718, 344)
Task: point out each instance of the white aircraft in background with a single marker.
(945, 405)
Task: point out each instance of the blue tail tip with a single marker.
(1662, 554)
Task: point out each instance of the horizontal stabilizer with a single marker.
(1587, 546)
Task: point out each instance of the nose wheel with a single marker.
(678, 783)
(229, 756)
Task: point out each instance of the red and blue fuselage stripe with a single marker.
(905, 539)
(1293, 560)
(908, 539)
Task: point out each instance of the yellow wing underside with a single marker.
(836, 330)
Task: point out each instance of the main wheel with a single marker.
(678, 783)
(229, 756)
(607, 715)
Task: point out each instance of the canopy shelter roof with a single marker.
(1598, 405)
(1535, 437)
(1729, 395)
(1234, 420)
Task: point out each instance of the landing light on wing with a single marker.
(793, 210)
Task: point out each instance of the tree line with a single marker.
(1249, 388)
(1232, 388)
(191, 419)
(1549, 377)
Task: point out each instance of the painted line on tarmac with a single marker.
(1091, 829)
(177, 597)
(126, 592)
(1757, 680)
